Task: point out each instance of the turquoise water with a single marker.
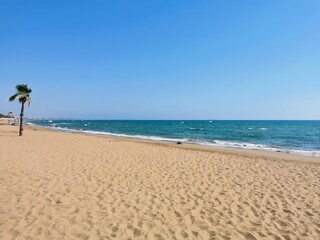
(297, 137)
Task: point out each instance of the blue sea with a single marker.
(296, 137)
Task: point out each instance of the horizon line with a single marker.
(101, 119)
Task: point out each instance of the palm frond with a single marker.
(23, 88)
(29, 101)
(13, 97)
(23, 94)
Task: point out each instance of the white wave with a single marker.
(155, 138)
(201, 129)
(251, 146)
(263, 129)
(214, 143)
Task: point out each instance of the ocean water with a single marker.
(296, 137)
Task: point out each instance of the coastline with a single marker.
(58, 185)
(218, 149)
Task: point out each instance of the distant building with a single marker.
(8, 119)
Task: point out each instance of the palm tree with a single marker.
(23, 94)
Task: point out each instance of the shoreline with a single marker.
(225, 150)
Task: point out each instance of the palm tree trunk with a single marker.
(21, 119)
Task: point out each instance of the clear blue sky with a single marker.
(162, 59)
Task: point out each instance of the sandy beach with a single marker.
(57, 185)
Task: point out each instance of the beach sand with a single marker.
(58, 185)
